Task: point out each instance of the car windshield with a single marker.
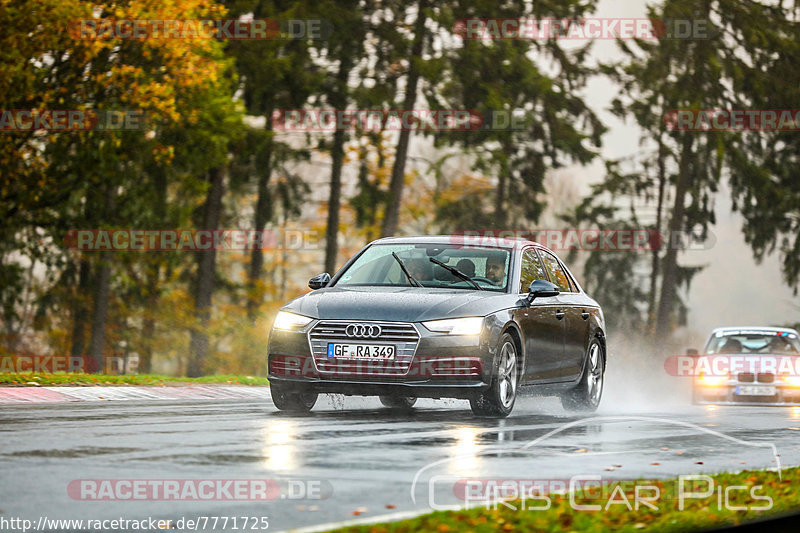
(486, 267)
(754, 342)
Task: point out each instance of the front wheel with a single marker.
(291, 398)
(586, 395)
(499, 398)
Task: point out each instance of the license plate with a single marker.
(755, 390)
(384, 352)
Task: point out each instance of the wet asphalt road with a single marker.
(359, 457)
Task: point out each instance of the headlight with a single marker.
(792, 381)
(290, 321)
(456, 326)
(712, 381)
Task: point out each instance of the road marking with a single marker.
(129, 393)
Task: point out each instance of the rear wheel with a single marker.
(586, 395)
(398, 402)
(498, 400)
(292, 398)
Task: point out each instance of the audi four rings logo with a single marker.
(363, 330)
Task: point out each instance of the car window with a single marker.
(556, 273)
(753, 342)
(487, 267)
(531, 269)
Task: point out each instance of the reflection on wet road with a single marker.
(356, 458)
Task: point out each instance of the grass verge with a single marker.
(698, 513)
(67, 378)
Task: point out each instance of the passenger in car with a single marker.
(467, 267)
(731, 346)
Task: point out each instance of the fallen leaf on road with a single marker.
(581, 450)
(390, 506)
(655, 464)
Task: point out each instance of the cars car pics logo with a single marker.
(370, 331)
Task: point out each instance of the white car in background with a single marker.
(748, 366)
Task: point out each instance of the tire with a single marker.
(292, 398)
(498, 400)
(585, 397)
(398, 402)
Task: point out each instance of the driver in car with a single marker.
(495, 270)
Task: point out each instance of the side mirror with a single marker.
(319, 281)
(692, 352)
(540, 288)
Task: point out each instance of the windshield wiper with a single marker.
(411, 279)
(455, 271)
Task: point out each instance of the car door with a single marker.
(542, 330)
(576, 317)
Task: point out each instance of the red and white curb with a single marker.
(127, 393)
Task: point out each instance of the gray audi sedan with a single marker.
(481, 319)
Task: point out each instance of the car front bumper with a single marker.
(728, 394)
(440, 366)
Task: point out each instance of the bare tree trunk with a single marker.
(101, 294)
(391, 220)
(655, 263)
(206, 270)
(149, 325)
(262, 215)
(339, 101)
(669, 278)
(100, 311)
(79, 310)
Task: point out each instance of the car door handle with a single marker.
(584, 315)
(559, 314)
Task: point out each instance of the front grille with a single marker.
(767, 377)
(402, 335)
(746, 377)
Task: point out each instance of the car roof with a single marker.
(510, 243)
(765, 329)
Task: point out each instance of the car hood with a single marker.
(401, 304)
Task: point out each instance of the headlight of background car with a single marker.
(456, 326)
(290, 321)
